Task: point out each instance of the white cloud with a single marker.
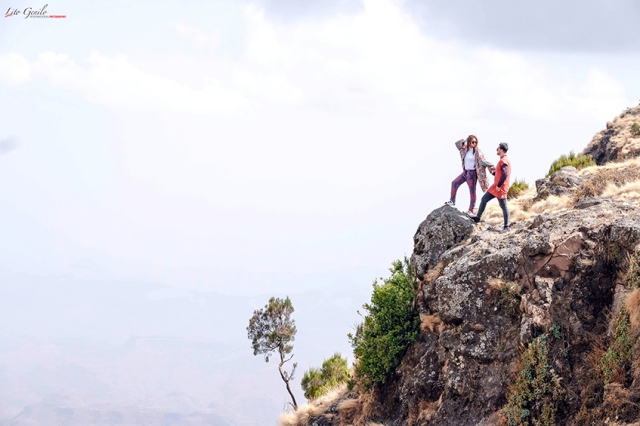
(199, 38)
(377, 61)
(113, 81)
(15, 69)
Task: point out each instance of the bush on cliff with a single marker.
(579, 161)
(616, 358)
(390, 326)
(318, 381)
(532, 399)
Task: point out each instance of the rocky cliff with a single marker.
(536, 326)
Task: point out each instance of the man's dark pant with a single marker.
(503, 205)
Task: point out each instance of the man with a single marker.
(500, 187)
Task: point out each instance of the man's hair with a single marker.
(471, 137)
(504, 146)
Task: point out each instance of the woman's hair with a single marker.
(471, 137)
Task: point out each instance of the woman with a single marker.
(473, 169)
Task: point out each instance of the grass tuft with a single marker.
(516, 189)
(579, 161)
(508, 296)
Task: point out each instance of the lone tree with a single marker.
(272, 330)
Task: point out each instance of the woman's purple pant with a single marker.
(471, 178)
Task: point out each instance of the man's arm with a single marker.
(505, 172)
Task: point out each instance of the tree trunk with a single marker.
(286, 382)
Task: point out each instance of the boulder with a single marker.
(443, 229)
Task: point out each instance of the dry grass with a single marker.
(508, 295)
(497, 284)
(612, 178)
(357, 411)
(424, 411)
(628, 191)
(630, 273)
(619, 180)
(428, 409)
(431, 323)
(632, 303)
(314, 408)
(523, 207)
(433, 273)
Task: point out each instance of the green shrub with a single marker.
(532, 399)
(578, 161)
(635, 129)
(516, 188)
(619, 351)
(391, 325)
(318, 381)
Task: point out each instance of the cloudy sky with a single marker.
(267, 146)
(278, 146)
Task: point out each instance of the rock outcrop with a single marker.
(564, 267)
(484, 297)
(492, 294)
(439, 232)
(562, 182)
(617, 142)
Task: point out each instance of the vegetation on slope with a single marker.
(532, 398)
(391, 325)
(318, 381)
(579, 161)
(517, 188)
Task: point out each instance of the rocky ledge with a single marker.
(538, 326)
(484, 296)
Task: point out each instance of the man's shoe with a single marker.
(449, 203)
(470, 213)
(476, 219)
(505, 230)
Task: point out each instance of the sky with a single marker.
(234, 146)
(169, 150)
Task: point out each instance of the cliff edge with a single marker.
(536, 326)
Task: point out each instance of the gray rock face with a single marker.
(561, 273)
(443, 229)
(564, 277)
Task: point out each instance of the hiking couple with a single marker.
(474, 167)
